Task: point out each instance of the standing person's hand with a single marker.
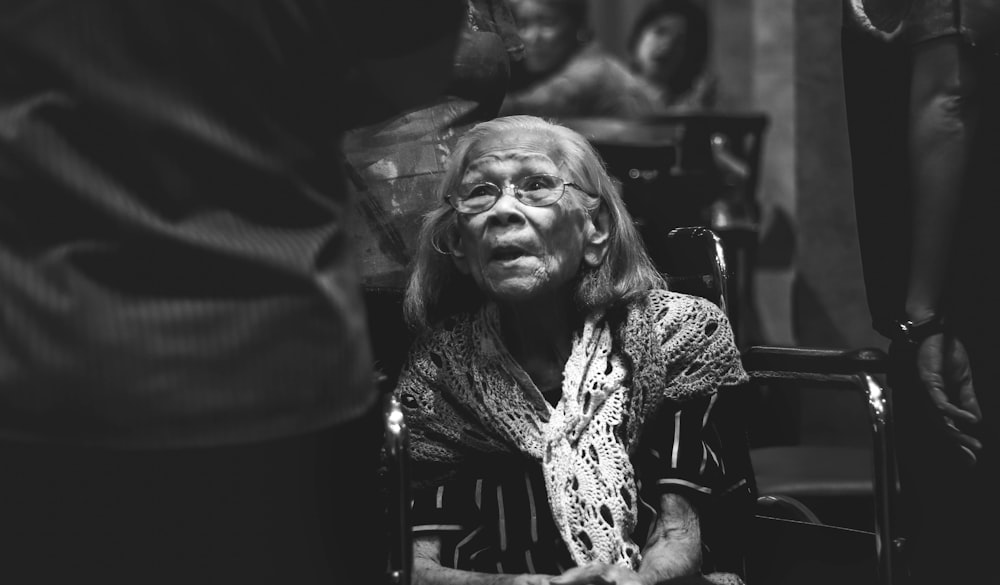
(944, 370)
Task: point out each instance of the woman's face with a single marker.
(660, 48)
(513, 251)
(548, 34)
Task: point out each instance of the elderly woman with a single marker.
(560, 399)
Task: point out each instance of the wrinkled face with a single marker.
(548, 34)
(660, 47)
(513, 251)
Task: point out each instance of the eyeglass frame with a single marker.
(518, 193)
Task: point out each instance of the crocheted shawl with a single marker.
(464, 395)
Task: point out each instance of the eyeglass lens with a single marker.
(534, 190)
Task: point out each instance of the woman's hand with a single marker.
(598, 574)
(532, 580)
(944, 370)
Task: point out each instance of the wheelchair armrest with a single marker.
(815, 360)
(851, 369)
(397, 451)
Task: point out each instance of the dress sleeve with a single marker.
(679, 451)
(448, 508)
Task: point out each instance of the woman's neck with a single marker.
(539, 334)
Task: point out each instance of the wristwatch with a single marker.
(912, 332)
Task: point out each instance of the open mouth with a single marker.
(506, 253)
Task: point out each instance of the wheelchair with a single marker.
(781, 539)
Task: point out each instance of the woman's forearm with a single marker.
(674, 548)
(427, 569)
(430, 573)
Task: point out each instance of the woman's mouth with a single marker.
(506, 253)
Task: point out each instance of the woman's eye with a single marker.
(538, 183)
(480, 191)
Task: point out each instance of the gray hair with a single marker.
(437, 289)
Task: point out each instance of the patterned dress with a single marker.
(468, 401)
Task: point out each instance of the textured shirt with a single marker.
(174, 263)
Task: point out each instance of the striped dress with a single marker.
(516, 478)
(495, 516)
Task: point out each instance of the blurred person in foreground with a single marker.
(566, 73)
(922, 83)
(186, 387)
(561, 401)
(396, 164)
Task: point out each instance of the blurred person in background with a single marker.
(566, 73)
(186, 388)
(669, 46)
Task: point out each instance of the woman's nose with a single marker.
(507, 208)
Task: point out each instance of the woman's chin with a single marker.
(518, 289)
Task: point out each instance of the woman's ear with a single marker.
(454, 245)
(597, 237)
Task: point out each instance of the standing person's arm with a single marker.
(943, 115)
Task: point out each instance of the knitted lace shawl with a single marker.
(463, 395)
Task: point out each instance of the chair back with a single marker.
(694, 262)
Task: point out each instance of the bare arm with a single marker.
(943, 118)
(427, 569)
(674, 549)
(942, 121)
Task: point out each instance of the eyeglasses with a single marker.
(533, 190)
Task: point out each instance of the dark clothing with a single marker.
(174, 265)
(495, 517)
(186, 386)
(396, 165)
(976, 20)
(915, 21)
(266, 513)
(947, 507)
